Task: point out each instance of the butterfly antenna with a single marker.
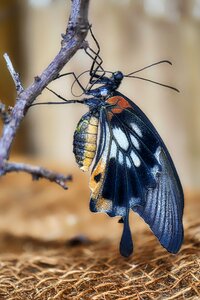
(149, 66)
(152, 81)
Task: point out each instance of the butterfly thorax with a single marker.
(85, 139)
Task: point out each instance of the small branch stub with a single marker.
(3, 112)
(14, 74)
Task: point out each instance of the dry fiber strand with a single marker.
(38, 261)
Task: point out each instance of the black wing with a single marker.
(133, 169)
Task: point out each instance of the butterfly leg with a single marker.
(76, 79)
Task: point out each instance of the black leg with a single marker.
(76, 79)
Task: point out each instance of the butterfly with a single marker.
(132, 168)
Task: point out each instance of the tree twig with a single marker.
(15, 75)
(37, 172)
(73, 39)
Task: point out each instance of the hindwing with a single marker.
(133, 170)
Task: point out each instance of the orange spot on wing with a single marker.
(120, 104)
(117, 110)
(113, 100)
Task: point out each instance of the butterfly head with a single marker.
(107, 85)
(118, 76)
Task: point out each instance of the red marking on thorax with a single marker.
(120, 104)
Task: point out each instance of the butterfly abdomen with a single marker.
(85, 140)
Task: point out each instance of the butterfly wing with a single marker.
(133, 170)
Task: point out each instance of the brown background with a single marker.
(38, 219)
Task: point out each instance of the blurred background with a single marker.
(35, 217)
(132, 34)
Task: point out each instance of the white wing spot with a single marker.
(155, 170)
(113, 150)
(135, 142)
(134, 201)
(157, 153)
(106, 139)
(121, 161)
(135, 159)
(136, 129)
(121, 138)
(128, 162)
(120, 211)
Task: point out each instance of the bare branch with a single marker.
(15, 75)
(37, 173)
(72, 41)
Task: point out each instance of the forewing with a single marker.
(136, 171)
